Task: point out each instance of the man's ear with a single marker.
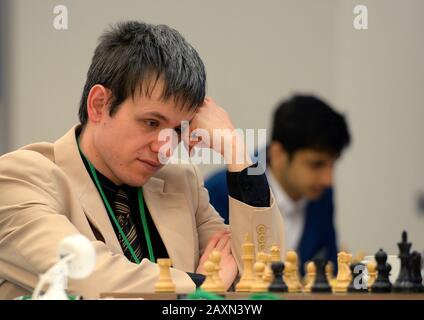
(278, 156)
(277, 152)
(98, 103)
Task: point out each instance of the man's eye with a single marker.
(151, 123)
(317, 164)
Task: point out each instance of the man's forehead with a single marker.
(154, 102)
(317, 154)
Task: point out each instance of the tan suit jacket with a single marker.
(46, 194)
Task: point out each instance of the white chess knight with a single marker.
(77, 258)
(344, 275)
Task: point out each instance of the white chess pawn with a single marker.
(372, 273)
(275, 253)
(259, 285)
(164, 284)
(329, 271)
(215, 257)
(209, 283)
(311, 272)
(291, 275)
(268, 274)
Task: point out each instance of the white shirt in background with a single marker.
(293, 212)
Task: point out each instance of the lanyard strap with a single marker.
(145, 226)
(111, 213)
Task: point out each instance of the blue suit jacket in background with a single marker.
(319, 236)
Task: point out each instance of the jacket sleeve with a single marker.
(264, 224)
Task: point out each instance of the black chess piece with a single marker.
(358, 283)
(403, 283)
(415, 267)
(321, 282)
(382, 284)
(278, 284)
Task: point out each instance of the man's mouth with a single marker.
(150, 165)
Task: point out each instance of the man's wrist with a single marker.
(238, 159)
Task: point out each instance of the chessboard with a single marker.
(266, 276)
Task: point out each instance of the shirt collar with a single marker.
(106, 183)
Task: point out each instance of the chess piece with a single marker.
(275, 253)
(321, 282)
(164, 283)
(291, 272)
(344, 275)
(305, 279)
(311, 273)
(372, 273)
(209, 284)
(416, 278)
(246, 279)
(261, 256)
(259, 285)
(358, 283)
(287, 274)
(278, 284)
(403, 283)
(329, 271)
(268, 274)
(215, 257)
(382, 284)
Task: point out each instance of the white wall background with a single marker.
(255, 54)
(379, 81)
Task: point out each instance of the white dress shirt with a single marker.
(293, 212)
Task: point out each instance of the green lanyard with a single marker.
(110, 211)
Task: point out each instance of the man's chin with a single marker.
(314, 194)
(137, 181)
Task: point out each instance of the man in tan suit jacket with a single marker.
(47, 192)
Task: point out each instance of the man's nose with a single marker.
(162, 147)
(327, 177)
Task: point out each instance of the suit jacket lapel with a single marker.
(68, 158)
(171, 216)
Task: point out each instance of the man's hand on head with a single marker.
(212, 128)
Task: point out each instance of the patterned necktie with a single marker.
(122, 212)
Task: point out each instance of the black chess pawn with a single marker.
(278, 284)
(321, 283)
(382, 284)
(415, 267)
(358, 283)
(403, 283)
